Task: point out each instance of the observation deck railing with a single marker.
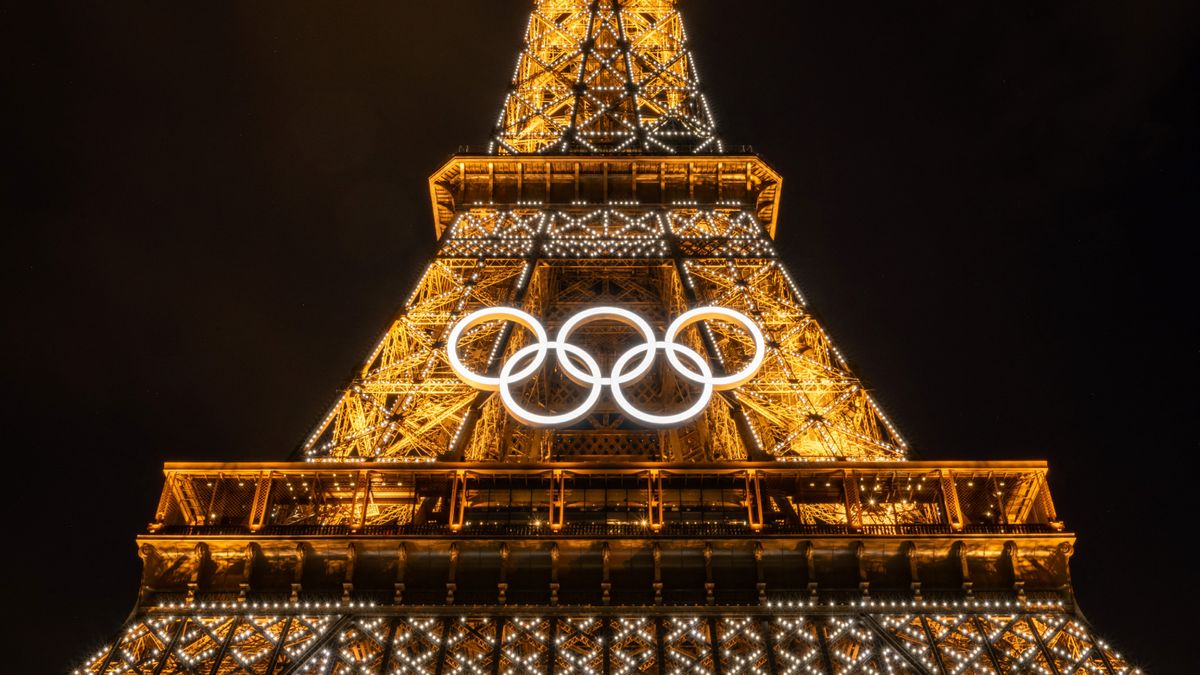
(619, 500)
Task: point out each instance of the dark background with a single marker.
(213, 209)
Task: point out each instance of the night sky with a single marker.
(214, 209)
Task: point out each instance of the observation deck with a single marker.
(607, 534)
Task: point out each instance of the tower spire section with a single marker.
(605, 76)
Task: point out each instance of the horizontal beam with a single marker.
(613, 468)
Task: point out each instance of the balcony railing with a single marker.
(897, 499)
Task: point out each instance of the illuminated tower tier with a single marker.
(578, 480)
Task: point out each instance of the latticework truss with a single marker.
(842, 641)
(804, 403)
(776, 528)
(605, 76)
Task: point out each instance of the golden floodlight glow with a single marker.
(533, 356)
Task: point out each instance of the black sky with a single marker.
(214, 208)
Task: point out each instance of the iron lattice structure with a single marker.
(651, 233)
(421, 529)
(610, 76)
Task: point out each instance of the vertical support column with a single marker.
(759, 577)
(764, 624)
(200, 556)
(954, 516)
(1044, 501)
(605, 584)
(491, 181)
(520, 181)
(853, 501)
(714, 646)
(358, 509)
(498, 647)
(557, 500)
(961, 555)
(164, 502)
(1012, 554)
(656, 554)
(401, 570)
(754, 501)
(151, 561)
(860, 558)
(554, 555)
(452, 574)
(249, 558)
(914, 569)
(654, 500)
(298, 573)
(348, 580)
(811, 564)
(458, 500)
(606, 646)
(258, 505)
(502, 585)
(709, 585)
(552, 645)
(447, 623)
(660, 638)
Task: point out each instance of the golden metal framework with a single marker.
(656, 235)
(423, 530)
(605, 76)
(875, 640)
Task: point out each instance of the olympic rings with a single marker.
(527, 360)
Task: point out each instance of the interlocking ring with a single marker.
(527, 360)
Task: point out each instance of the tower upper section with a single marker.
(605, 77)
(605, 211)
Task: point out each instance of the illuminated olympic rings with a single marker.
(629, 367)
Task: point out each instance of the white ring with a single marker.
(538, 420)
(600, 314)
(482, 316)
(592, 375)
(725, 382)
(674, 419)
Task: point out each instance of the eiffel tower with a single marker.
(518, 481)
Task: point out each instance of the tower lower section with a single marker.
(867, 636)
(751, 567)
